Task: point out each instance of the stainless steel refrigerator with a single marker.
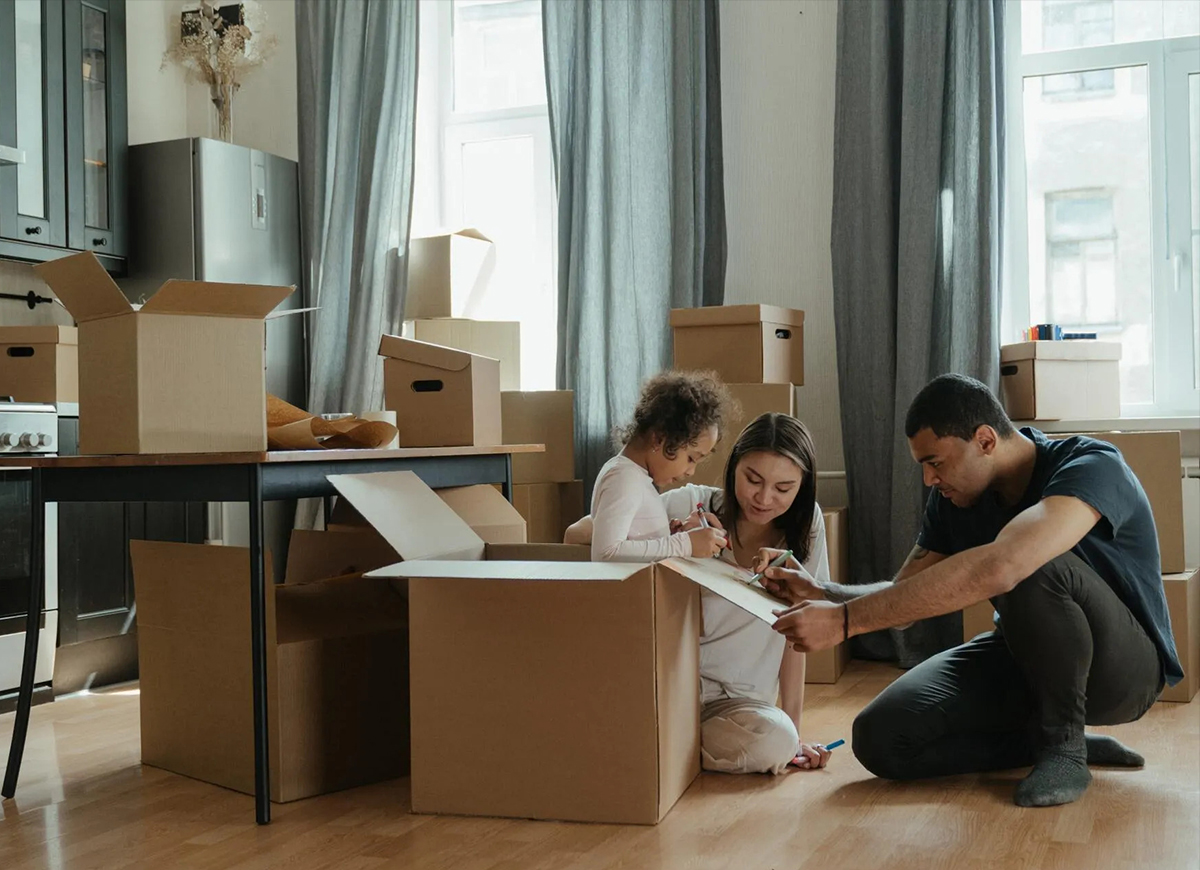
(205, 210)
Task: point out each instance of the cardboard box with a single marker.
(548, 508)
(744, 344)
(1061, 380)
(577, 681)
(442, 397)
(39, 363)
(495, 339)
(978, 619)
(1183, 603)
(1156, 458)
(827, 665)
(754, 400)
(447, 273)
(337, 666)
(487, 513)
(183, 374)
(546, 417)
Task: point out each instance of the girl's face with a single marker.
(765, 485)
(665, 470)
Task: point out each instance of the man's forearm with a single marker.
(840, 593)
(945, 587)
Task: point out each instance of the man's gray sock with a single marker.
(1059, 776)
(1108, 751)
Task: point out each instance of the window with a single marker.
(1102, 201)
(484, 159)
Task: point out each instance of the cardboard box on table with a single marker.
(1156, 459)
(827, 665)
(447, 273)
(1061, 380)
(577, 681)
(39, 363)
(185, 373)
(442, 397)
(548, 508)
(1183, 603)
(744, 344)
(496, 339)
(337, 664)
(541, 417)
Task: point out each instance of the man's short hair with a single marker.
(956, 405)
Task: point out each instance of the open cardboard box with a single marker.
(544, 686)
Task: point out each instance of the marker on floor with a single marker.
(829, 747)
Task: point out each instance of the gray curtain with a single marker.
(635, 116)
(915, 243)
(357, 69)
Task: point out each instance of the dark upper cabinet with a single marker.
(63, 129)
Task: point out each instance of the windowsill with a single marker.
(1119, 424)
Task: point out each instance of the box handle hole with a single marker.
(20, 351)
(1007, 370)
(783, 333)
(427, 386)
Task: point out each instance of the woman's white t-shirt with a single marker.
(739, 653)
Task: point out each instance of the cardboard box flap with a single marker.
(485, 510)
(83, 287)
(469, 232)
(314, 555)
(424, 353)
(730, 315)
(337, 607)
(212, 299)
(729, 582)
(409, 515)
(39, 335)
(1084, 349)
(511, 570)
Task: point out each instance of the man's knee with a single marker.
(749, 741)
(1051, 579)
(878, 740)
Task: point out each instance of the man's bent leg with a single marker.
(1085, 658)
(963, 711)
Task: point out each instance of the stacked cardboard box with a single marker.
(545, 490)
(39, 363)
(1061, 380)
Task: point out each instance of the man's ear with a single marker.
(986, 438)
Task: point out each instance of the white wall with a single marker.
(777, 87)
(163, 106)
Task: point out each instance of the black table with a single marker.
(250, 477)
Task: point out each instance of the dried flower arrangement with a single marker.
(219, 43)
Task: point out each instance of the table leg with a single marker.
(37, 588)
(508, 481)
(258, 649)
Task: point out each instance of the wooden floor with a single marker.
(85, 802)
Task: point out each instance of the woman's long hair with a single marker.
(788, 437)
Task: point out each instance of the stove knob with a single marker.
(45, 441)
(26, 439)
(7, 439)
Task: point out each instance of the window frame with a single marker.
(1176, 372)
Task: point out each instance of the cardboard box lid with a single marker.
(467, 232)
(728, 315)
(39, 335)
(409, 515)
(484, 509)
(728, 581)
(212, 299)
(510, 570)
(89, 293)
(315, 555)
(1084, 349)
(426, 354)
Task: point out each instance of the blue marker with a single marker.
(834, 745)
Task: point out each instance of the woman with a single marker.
(768, 502)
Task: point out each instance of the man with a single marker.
(1060, 537)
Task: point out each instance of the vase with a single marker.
(223, 100)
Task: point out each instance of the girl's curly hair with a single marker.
(678, 407)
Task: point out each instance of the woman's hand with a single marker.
(812, 756)
(707, 542)
(792, 582)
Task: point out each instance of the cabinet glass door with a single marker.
(95, 119)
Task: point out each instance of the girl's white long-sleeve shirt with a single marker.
(629, 520)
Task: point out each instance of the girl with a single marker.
(676, 423)
(768, 502)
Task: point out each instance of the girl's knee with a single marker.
(749, 741)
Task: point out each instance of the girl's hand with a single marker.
(812, 756)
(707, 542)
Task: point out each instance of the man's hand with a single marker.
(811, 626)
(791, 582)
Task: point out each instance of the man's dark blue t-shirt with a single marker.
(1122, 547)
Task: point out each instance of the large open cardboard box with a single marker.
(337, 664)
(1156, 458)
(185, 373)
(548, 689)
(1061, 380)
(442, 397)
(39, 363)
(447, 273)
(495, 339)
(744, 344)
(541, 417)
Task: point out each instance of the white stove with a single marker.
(27, 428)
